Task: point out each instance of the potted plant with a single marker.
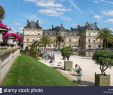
(104, 59)
(66, 52)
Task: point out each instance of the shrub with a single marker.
(33, 52)
(66, 52)
(104, 58)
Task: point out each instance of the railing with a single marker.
(7, 58)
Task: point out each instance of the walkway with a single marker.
(87, 64)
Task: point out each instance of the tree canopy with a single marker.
(44, 41)
(104, 58)
(106, 36)
(67, 52)
(2, 12)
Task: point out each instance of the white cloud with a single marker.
(49, 4)
(96, 1)
(108, 13)
(109, 21)
(106, 1)
(50, 12)
(50, 7)
(97, 17)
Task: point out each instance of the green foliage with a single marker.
(106, 36)
(2, 12)
(33, 52)
(27, 71)
(44, 41)
(103, 58)
(67, 52)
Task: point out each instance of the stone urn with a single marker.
(102, 80)
(68, 65)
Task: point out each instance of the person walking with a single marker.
(79, 74)
(76, 68)
(53, 58)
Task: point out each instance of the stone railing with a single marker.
(7, 58)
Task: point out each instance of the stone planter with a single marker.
(102, 80)
(68, 65)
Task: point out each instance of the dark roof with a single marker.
(88, 26)
(32, 24)
(58, 28)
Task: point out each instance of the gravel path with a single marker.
(87, 64)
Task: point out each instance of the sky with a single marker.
(70, 13)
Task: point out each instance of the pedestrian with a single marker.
(76, 68)
(53, 58)
(79, 74)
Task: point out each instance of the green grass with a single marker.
(27, 71)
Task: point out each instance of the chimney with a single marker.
(27, 21)
(78, 26)
(61, 25)
(52, 26)
(37, 21)
(95, 23)
(87, 23)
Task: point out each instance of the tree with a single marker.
(104, 58)
(66, 52)
(2, 12)
(59, 40)
(44, 41)
(106, 36)
(33, 52)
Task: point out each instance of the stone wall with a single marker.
(7, 58)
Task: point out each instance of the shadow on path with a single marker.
(86, 83)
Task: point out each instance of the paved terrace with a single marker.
(87, 64)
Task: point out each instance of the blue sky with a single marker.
(54, 12)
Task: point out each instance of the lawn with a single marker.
(27, 71)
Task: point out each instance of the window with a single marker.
(89, 40)
(27, 40)
(99, 46)
(33, 39)
(94, 40)
(38, 33)
(74, 40)
(33, 33)
(89, 35)
(69, 39)
(89, 46)
(38, 39)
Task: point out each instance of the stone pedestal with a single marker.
(67, 65)
(102, 80)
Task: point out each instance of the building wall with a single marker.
(89, 40)
(31, 35)
(82, 40)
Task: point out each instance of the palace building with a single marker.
(81, 38)
(31, 32)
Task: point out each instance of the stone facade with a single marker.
(31, 32)
(81, 38)
(7, 58)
